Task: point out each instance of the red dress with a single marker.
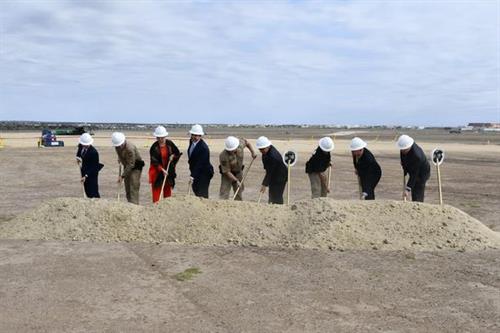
(155, 170)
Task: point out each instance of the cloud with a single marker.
(347, 62)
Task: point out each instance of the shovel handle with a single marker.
(243, 179)
(165, 176)
(329, 177)
(439, 185)
(260, 197)
(404, 187)
(119, 184)
(83, 185)
(288, 184)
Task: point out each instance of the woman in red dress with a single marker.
(164, 156)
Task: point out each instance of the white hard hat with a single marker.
(196, 130)
(231, 143)
(85, 139)
(405, 142)
(357, 144)
(117, 139)
(160, 132)
(326, 144)
(262, 142)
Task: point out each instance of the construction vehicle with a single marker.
(49, 139)
(75, 130)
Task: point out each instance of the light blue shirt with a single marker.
(192, 147)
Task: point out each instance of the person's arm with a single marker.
(270, 167)
(176, 155)
(225, 168)
(413, 169)
(129, 164)
(153, 156)
(250, 147)
(174, 151)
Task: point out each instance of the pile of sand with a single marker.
(319, 223)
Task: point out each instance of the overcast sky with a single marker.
(314, 62)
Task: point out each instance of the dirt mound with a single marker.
(319, 223)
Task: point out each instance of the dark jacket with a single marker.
(368, 169)
(157, 163)
(90, 161)
(416, 165)
(319, 161)
(199, 161)
(276, 170)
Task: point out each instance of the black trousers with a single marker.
(418, 191)
(200, 186)
(91, 187)
(276, 193)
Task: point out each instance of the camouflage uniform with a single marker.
(129, 156)
(231, 162)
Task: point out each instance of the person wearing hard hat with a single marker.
(129, 157)
(164, 156)
(366, 168)
(316, 166)
(276, 171)
(88, 159)
(199, 162)
(414, 163)
(231, 166)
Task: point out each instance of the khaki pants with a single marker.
(132, 186)
(317, 188)
(226, 184)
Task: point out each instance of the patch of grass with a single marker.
(472, 204)
(188, 274)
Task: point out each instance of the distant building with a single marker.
(484, 125)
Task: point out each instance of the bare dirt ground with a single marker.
(251, 286)
(94, 287)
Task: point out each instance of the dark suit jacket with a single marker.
(369, 170)
(90, 161)
(415, 163)
(199, 161)
(276, 170)
(319, 161)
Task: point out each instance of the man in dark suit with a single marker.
(366, 167)
(414, 163)
(199, 162)
(276, 171)
(88, 156)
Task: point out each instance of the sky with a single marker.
(422, 63)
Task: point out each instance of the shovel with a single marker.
(243, 180)
(329, 177)
(165, 177)
(78, 161)
(190, 183)
(260, 197)
(360, 189)
(119, 183)
(288, 185)
(404, 186)
(439, 185)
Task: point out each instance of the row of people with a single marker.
(164, 156)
